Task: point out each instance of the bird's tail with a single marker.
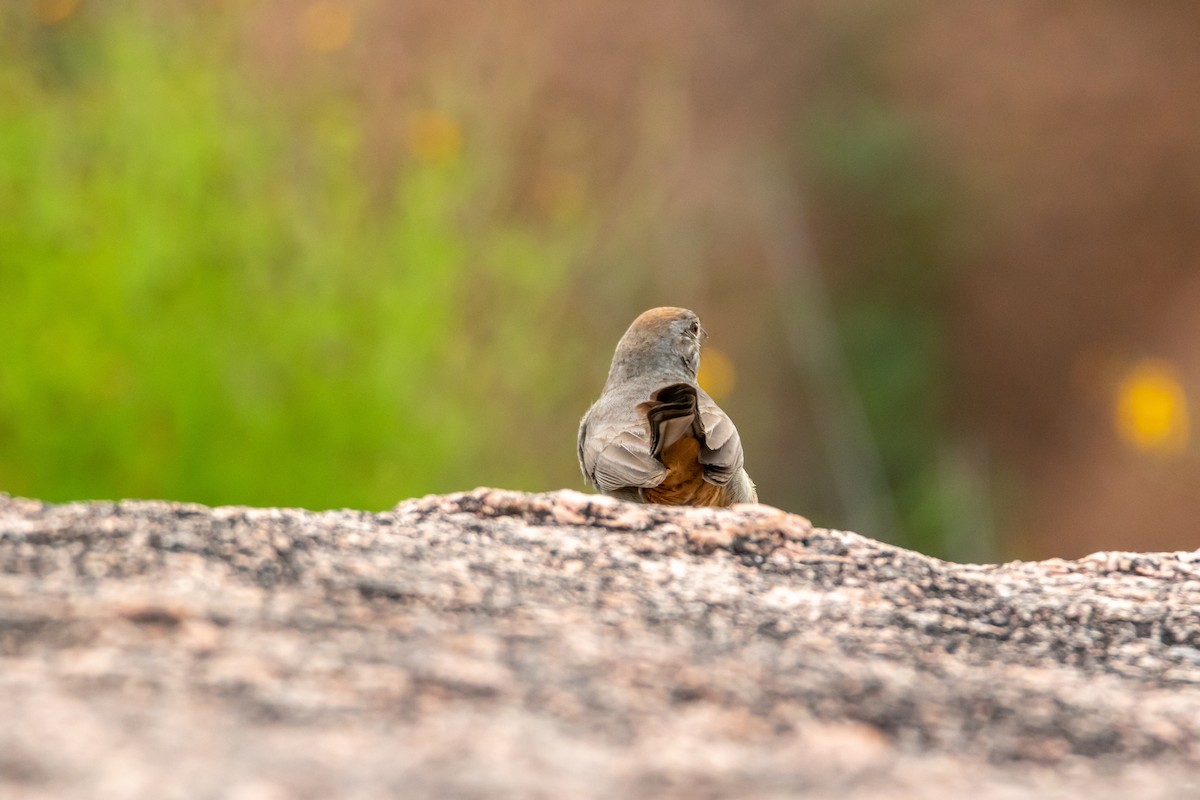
(672, 413)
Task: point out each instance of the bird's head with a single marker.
(664, 342)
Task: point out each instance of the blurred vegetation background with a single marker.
(342, 252)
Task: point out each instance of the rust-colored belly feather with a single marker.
(685, 484)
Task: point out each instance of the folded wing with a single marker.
(618, 458)
(721, 454)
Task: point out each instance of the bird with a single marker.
(654, 436)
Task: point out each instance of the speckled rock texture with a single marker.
(495, 644)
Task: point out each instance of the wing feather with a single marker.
(619, 461)
(722, 452)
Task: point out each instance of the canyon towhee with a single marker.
(654, 436)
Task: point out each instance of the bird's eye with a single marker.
(694, 328)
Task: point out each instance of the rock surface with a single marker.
(499, 644)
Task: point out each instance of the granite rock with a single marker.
(500, 644)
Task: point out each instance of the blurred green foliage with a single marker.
(890, 287)
(210, 294)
